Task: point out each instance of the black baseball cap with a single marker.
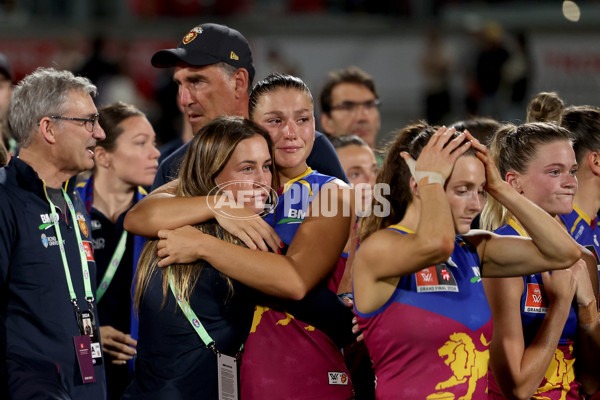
(5, 67)
(208, 44)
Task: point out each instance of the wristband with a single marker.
(424, 177)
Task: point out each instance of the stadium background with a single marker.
(312, 37)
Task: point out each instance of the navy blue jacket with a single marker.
(37, 321)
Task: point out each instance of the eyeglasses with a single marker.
(90, 123)
(352, 106)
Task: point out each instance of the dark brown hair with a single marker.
(584, 124)
(348, 75)
(110, 119)
(396, 174)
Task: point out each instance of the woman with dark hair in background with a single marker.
(124, 162)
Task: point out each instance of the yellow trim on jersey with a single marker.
(581, 216)
(298, 179)
(515, 225)
(401, 228)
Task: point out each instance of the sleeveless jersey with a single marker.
(559, 381)
(285, 358)
(585, 231)
(430, 339)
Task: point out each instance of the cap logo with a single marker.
(234, 56)
(191, 35)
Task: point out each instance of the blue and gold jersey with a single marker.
(285, 357)
(585, 231)
(559, 381)
(294, 201)
(431, 338)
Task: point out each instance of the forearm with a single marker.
(164, 211)
(436, 226)
(551, 239)
(588, 348)
(526, 373)
(269, 273)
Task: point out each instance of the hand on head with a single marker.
(493, 178)
(437, 159)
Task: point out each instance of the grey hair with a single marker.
(230, 71)
(40, 94)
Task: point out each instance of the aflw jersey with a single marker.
(285, 358)
(584, 230)
(430, 339)
(559, 381)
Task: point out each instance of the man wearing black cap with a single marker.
(214, 72)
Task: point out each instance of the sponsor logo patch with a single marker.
(82, 225)
(49, 241)
(89, 254)
(338, 378)
(46, 221)
(191, 35)
(536, 301)
(437, 278)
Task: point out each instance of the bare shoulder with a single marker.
(380, 243)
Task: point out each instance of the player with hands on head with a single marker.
(422, 306)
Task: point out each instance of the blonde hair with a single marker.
(209, 151)
(545, 107)
(513, 148)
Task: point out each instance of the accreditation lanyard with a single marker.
(89, 296)
(226, 365)
(191, 316)
(112, 267)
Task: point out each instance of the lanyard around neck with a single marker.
(112, 267)
(192, 317)
(84, 264)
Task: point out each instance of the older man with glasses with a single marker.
(49, 342)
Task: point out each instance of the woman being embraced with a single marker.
(417, 275)
(173, 360)
(293, 350)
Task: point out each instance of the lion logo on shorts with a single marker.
(467, 364)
